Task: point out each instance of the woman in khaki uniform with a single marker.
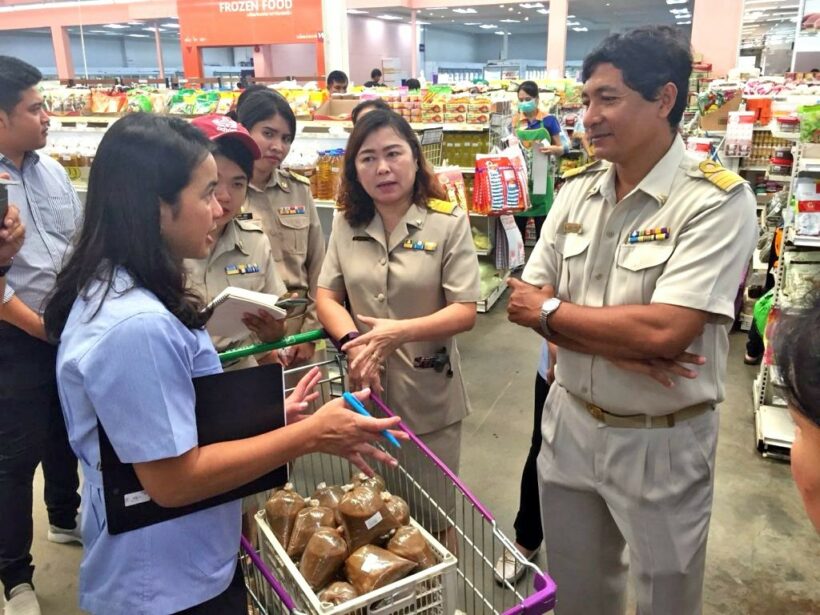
(405, 262)
(282, 203)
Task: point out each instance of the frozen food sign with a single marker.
(209, 23)
(258, 8)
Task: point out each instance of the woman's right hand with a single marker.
(343, 432)
(358, 380)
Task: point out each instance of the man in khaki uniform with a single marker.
(429, 263)
(286, 211)
(634, 276)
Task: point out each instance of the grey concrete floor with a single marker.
(763, 555)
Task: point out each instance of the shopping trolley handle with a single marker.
(290, 340)
(542, 601)
(287, 601)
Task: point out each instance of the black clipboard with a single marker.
(229, 406)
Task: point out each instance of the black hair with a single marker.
(16, 77)
(260, 105)
(530, 88)
(373, 103)
(245, 93)
(648, 57)
(413, 84)
(235, 151)
(142, 160)
(375, 74)
(352, 199)
(336, 76)
(797, 355)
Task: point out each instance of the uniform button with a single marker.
(380, 297)
(599, 276)
(382, 261)
(610, 234)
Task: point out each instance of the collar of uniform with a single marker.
(520, 117)
(229, 240)
(658, 182)
(278, 178)
(29, 159)
(415, 216)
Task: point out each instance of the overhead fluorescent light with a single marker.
(170, 25)
(422, 23)
(676, 1)
(488, 26)
(153, 30)
(34, 6)
(138, 35)
(584, 29)
(390, 17)
(464, 11)
(116, 26)
(356, 12)
(543, 11)
(135, 23)
(570, 16)
(510, 20)
(437, 8)
(678, 11)
(502, 33)
(531, 5)
(685, 23)
(472, 23)
(573, 23)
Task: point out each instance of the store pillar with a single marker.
(191, 61)
(335, 51)
(557, 38)
(62, 52)
(716, 33)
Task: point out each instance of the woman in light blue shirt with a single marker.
(131, 340)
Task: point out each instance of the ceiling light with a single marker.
(472, 23)
(356, 12)
(464, 11)
(115, 26)
(543, 11)
(510, 20)
(389, 17)
(170, 25)
(573, 23)
(135, 23)
(422, 23)
(685, 23)
(511, 9)
(580, 29)
(501, 33)
(570, 16)
(438, 8)
(488, 26)
(531, 5)
(676, 1)
(153, 30)
(138, 35)
(678, 11)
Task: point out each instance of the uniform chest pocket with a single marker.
(574, 255)
(293, 233)
(57, 215)
(639, 267)
(249, 281)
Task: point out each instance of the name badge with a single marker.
(425, 246)
(649, 234)
(245, 215)
(573, 227)
(296, 210)
(242, 269)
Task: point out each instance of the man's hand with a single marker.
(524, 307)
(264, 326)
(662, 370)
(12, 234)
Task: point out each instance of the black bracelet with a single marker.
(347, 337)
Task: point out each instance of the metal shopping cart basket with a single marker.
(440, 504)
(432, 144)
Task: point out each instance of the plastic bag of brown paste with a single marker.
(329, 497)
(281, 510)
(397, 507)
(324, 554)
(376, 482)
(372, 567)
(337, 593)
(365, 517)
(409, 543)
(308, 520)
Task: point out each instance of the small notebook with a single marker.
(232, 304)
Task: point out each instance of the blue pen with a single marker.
(358, 407)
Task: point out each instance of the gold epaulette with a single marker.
(592, 167)
(298, 177)
(442, 207)
(721, 177)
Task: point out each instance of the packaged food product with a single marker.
(281, 510)
(365, 516)
(409, 543)
(329, 497)
(371, 568)
(397, 507)
(324, 555)
(308, 520)
(338, 592)
(376, 482)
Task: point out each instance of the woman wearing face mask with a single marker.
(531, 117)
(282, 203)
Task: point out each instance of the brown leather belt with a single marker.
(644, 421)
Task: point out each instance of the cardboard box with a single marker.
(717, 120)
(334, 109)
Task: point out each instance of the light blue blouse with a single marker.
(130, 365)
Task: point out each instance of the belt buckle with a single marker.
(596, 412)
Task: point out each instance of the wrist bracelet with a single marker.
(347, 337)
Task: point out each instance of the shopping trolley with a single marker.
(440, 503)
(432, 143)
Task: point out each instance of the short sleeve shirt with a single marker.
(241, 257)
(428, 262)
(585, 253)
(130, 365)
(286, 211)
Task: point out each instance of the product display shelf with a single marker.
(486, 303)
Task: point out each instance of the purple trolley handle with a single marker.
(540, 602)
(280, 591)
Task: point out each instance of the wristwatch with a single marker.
(548, 309)
(4, 269)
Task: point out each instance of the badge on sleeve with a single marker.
(425, 246)
(294, 210)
